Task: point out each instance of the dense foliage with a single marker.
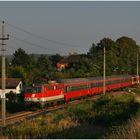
(120, 59)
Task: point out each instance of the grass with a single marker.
(90, 119)
(127, 130)
(136, 91)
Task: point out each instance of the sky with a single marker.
(51, 27)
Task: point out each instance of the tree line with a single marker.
(121, 58)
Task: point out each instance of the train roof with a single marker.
(76, 80)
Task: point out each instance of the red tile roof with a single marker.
(70, 59)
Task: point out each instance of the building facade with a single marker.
(14, 85)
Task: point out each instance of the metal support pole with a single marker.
(3, 75)
(137, 69)
(104, 74)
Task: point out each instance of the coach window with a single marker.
(100, 84)
(59, 87)
(108, 83)
(73, 88)
(114, 82)
(93, 85)
(67, 89)
(89, 85)
(50, 88)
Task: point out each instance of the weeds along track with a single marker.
(20, 116)
(16, 117)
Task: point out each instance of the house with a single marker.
(14, 85)
(64, 63)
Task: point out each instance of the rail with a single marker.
(18, 117)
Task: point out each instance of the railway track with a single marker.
(18, 117)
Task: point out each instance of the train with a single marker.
(64, 90)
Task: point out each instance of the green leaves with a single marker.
(120, 55)
(21, 58)
(120, 59)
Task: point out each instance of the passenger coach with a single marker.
(65, 90)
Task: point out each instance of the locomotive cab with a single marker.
(44, 94)
(33, 94)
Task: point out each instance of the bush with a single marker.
(105, 110)
(114, 111)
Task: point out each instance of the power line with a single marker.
(43, 38)
(35, 45)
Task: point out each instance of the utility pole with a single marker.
(3, 74)
(137, 68)
(104, 74)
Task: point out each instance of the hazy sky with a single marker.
(63, 27)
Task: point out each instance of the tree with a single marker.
(92, 51)
(17, 72)
(32, 70)
(21, 58)
(96, 54)
(55, 59)
(83, 68)
(44, 65)
(128, 50)
(120, 59)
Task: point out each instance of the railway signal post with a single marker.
(3, 38)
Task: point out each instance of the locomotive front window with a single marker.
(38, 89)
(30, 90)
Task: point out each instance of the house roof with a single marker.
(70, 59)
(11, 83)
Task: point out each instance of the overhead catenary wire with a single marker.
(43, 38)
(13, 47)
(33, 44)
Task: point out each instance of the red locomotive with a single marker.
(68, 89)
